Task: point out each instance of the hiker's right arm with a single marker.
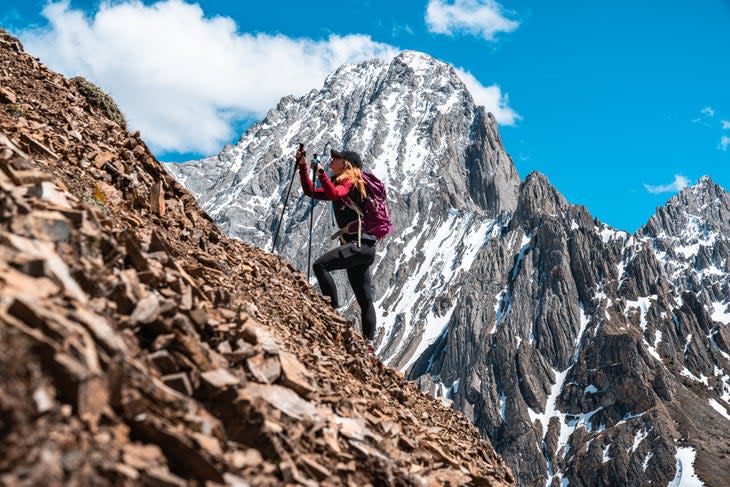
(307, 185)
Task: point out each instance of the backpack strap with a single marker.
(351, 204)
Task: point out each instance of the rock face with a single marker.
(586, 355)
(597, 361)
(140, 346)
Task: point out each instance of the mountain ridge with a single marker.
(573, 346)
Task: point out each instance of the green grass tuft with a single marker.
(97, 98)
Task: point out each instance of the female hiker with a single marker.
(347, 189)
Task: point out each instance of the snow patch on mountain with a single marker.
(685, 476)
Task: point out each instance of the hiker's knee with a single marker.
(319, 265)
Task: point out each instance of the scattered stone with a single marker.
(219, 379)
(264, 368)
(246, 459)
(294, 374)
(101, 158)
(157, 199)
(180, 382)
(7, 96)
(38, 146)
(163, 361)
(160, 477)
(147, 309)
(43, 400)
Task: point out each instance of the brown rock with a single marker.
(157, 198)
(265, 368)
(7, 95)
(219, 379)
(49, 226)
(353, 428)
(43, 398)
(290, 473)
(102, 158)
(256, 334)
(188, 342)
(448, 477)
(243, 459)
(93, 398)
(163, 361)
(209, 444)
(161, 477)
(176, 443)
(100, 329)
(294, 375)
(38, 146)
(147, 309)
(179, 382)
(281, 398)
(314, 468)
(141, 456)
(29, 176)
(186, 298)
(19, 282)
(243, 351)
(48, 191)
(126, 471)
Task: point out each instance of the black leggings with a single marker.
(356, 260)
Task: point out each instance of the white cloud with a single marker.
(402, 29)
(724, 143)
(708, 112)
(680, 182)
(183, 78)
(483, 18)
(490, 97)
(725, 125)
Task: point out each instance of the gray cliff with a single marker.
(586, 355)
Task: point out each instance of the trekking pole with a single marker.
(315, 163)
(286, 199)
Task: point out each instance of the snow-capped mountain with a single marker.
(587, 355)
(582, 353)
(417, 128)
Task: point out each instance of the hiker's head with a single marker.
(344, 161)
(347, 165)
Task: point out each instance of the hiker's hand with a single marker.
(300, 157)
(316, 166)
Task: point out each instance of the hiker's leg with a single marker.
(362, 285)
(343, 257)
(321, 268)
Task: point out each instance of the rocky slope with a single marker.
(586, 355)
(140, 346)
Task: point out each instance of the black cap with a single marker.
(348, 155)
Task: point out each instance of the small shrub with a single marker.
(15, 110)
(97, 98)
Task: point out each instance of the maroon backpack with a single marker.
(373, 211)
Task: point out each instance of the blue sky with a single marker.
(619, 104)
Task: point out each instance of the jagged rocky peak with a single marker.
(349, 75)
(538, 198)
(703, 194)
(702, 207)
(424, 72)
